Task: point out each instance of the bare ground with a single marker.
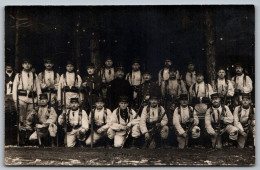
(31, 156)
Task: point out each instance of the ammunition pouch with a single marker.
(32, 94)
(22, 92)
(73, 89)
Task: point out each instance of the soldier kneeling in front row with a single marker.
(123, 121)
(185, 121)
(153, 123)
(101, 119)
(218, 120)
(43, 121)
(75, 123)
(244, 120)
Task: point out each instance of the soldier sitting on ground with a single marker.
(101, 119)
(244, 120)
(185, 121)
(218, 120)
(43, 122)
(153, 123)
(123, 121)
(75, 123)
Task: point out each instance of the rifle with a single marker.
(38, 137)
(129, 131)
(65, 107)
(154, 129)
(18, 120)
(92, 119)
(191, 125)
(249, 125)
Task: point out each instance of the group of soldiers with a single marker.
(110, 108)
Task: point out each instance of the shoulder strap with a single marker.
(117, 114)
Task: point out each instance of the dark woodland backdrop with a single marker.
(210, 35)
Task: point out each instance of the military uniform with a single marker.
(49, 81)
(244, 120)
(181, 122)
(219, 118)
(101, 124)
(26, 88)
(199, 90)
(92, 89)
(149, 118)
(121, 120)
(69, 84)
(42, 121)
(164, 76)
(189, 78)
(10, 112)
(76, 123)
(145, 90)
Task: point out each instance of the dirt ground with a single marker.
(30, 156)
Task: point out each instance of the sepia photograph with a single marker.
(129, 86)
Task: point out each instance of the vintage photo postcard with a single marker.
(170, 85)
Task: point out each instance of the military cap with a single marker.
(238, 64)
(9, 64)
(90, 65)
(246, 95)
(146, 72)
(70, 62)
(183, 97)
(136, 60)
(221, 68)
(215, 95)
(120, 67)
(48, 60)
(43, 96)
(167, 58)
(26, 60)
(154, 94)
(190, 62)
(108, 58)
(172, 69)
(99, 99)
(74, 100)
(123, 99)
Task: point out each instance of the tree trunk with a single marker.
(210, 46)
(16, 42)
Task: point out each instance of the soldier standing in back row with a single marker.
(135, 80)
(10, 113)
(91, 86)
(26, 88)
(120, 87)
(69, 85)
(190, 76)
(164, 75)
(242, 84)
(223, 86)
(49, 81)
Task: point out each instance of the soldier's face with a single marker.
(123, 105)
(239, 70)
(99, 105)
(43, 102)
(147, 77)
(74, 105)
(135, 66)
(172, 74)
(48, 65)
(168, 63)
(221, 74)
(191, 67)
(90, 70)
(184, 103)
(9, 69)
(120, 74)
(200, 78)
(27, 66)
(154, 102)
(109, 63)
(246, 102)
(216, 102)
(70, 67)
